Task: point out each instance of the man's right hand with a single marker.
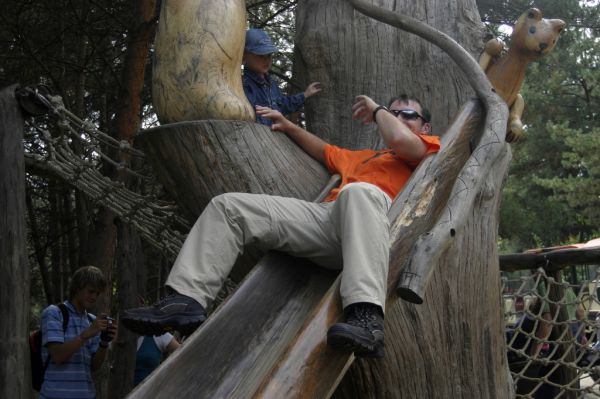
(363, 108)
(311, 144)
(280, 122)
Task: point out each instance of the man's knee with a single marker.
(238, 207)
(367, 192)
(224, 204)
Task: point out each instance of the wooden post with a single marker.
(15, 374)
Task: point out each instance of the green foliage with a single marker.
(552, 194)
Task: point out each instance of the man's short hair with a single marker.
(86, 275)
(405, 98)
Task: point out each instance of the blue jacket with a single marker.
(265, 92)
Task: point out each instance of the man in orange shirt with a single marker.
(348, 231)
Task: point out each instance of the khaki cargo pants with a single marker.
(350, 233)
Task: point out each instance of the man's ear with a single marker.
(244, 58)
(426, 128)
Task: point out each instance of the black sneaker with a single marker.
(362, 333)
(173, 312)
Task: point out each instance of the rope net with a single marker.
(76, 151)
(553, 344)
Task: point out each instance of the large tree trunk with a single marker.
(129, 263)
(129, 248)
(464, 330)
(352, 54)
(15, 377)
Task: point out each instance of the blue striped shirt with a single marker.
(73, 378)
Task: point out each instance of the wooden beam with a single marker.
(14, 271)
(551, 261)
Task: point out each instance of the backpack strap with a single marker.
(65, 315)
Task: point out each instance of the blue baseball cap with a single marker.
(258, 42)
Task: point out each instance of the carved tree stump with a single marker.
(196, 71)
(197, 160)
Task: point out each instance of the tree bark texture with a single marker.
(198, 160)
(15, 375)
(352, 54)
(199, 48)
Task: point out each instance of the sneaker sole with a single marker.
(347, 342)
(186, 324)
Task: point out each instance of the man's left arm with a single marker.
(395, 134)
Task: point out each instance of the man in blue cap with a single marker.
(258, 85)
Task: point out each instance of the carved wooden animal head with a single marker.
(534, 36)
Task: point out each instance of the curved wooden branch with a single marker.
(473, 73)
(430, 246)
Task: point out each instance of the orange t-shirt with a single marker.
(381, 168)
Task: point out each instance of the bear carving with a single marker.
(532, 38)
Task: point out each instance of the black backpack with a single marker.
(38, 367)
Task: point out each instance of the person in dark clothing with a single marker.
(259, 86)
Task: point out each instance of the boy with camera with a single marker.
(71, 354)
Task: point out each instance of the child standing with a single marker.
(258, 85)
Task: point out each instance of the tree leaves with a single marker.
(552, 193)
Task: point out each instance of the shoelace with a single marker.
(361, 316)
(164, 300)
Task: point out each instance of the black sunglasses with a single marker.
(408, 114)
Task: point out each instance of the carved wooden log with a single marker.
(430, 245)
(196, 72)
(197, 160)
(307, 367)
(423, 198)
